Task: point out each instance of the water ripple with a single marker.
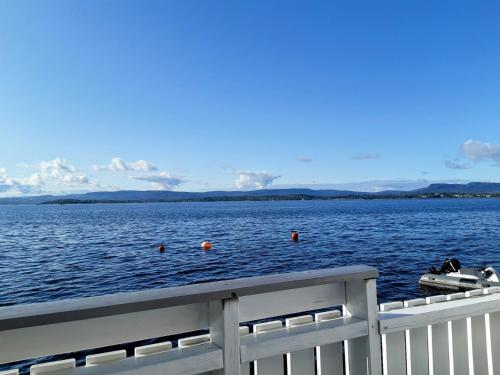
(55, 252)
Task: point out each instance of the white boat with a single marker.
(452, 276)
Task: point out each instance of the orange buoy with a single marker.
(206, 245)
(294, 236)
(161, 248)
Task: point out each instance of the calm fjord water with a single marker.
(58, 252)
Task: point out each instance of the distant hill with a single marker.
(435, 190)
(168, 196)
(176, 195)
(472, 187)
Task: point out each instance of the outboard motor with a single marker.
(450, 265)
(491, 274)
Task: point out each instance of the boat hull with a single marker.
(445, 282)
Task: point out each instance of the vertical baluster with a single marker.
(393, 346)
(271, 365)
(363, 355)
(439, 345)
(224, 332)
(245, 367)
(460, 350)
(329, 357)
(494, 335)
(300, 362)
(478, 338)
(417, 350)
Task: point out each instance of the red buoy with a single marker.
(206, 245)
(161, 248)
(294, 236)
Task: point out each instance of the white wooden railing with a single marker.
(307, 323)
(454, 334)
(229, 310)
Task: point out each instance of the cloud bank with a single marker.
(51, 175)
(120, 165)
(478, 151)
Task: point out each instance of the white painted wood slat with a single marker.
(439, 343)
(224, 332)
(417, 352)
(495, 341)
(145, 350)
(271, 365)
(100, 358)
(194, 341)
(478, 338)
(245, 367)
(47, 367)
(393, 346)
(291, 339)
(460, 348)
(300, 362)
(363, 355)
(329, 359)
(39, 341)
(286, 302)
(418, 316)
(203, 357)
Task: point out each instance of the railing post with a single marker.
(224, 332)
(363, 354)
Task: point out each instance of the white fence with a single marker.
(332, 326)
(32, 331)
(454, 334)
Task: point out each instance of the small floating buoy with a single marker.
(161, 248)
(294, 236)
(206, 245)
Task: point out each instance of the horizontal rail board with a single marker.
(266, 305)
(22, 316)
(262, 345)
(33, 342)
(441, 312)
(186, 361)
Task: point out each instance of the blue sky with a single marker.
(201, 95)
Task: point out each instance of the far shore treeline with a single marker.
(433, 191)
(282, 198)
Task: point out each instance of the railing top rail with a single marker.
(19, 316)
(424, 315)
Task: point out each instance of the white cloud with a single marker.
(457, 164)
(481, 151)
(11, 187)
(366, 156)
(254, 180)
(75, 179)
(50, 176)
(55, 168)
(161, 181)
(57, 172)
(304, 159)
(120, 165)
